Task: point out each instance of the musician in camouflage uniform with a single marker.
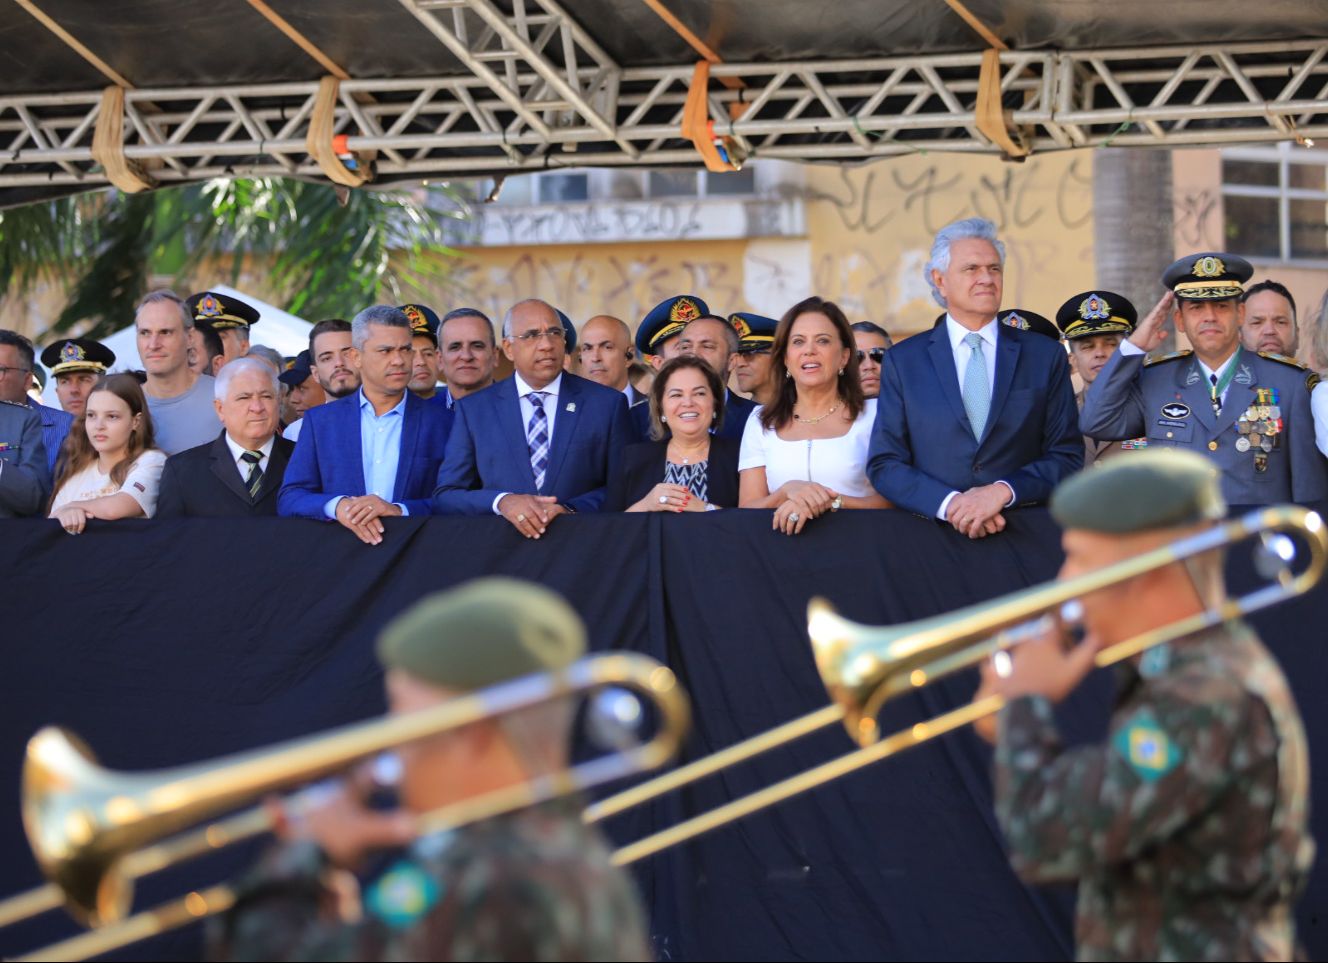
(1187, 827)
(536, 884)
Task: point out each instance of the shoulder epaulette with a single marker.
(1311, 380)
(1175, 355)
(1284, 359)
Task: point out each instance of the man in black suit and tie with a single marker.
(538, 444)
(240, 472)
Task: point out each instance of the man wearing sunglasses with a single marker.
(873, 342)
(539, 444)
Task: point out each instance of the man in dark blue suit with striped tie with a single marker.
(538, 444)
(974, 416)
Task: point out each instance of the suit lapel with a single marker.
(564, 426)
(1007, 357)
(276, 467)
(410, 430)
(354, 442)
(224, 467)
(942, 359)
(513, 423)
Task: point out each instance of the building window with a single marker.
(554, 187)
(1276, 203)
(687, 183)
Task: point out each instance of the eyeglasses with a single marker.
(553, 334)
(876, 355)
(5, 369)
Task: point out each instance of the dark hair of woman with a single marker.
(779, 413)
(661, 383)
(77, 452)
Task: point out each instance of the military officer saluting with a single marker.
(1249, 412)
(1187, 828)
(1093, 324)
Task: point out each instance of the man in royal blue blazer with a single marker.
(535, 445)
(973, 416)
(376, 452)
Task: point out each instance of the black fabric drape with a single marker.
(169, 643)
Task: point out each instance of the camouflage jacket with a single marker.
(1187, 828)
(534, 885)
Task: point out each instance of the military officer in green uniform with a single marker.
(353, 883)
(1248, 412)
(1187, 828)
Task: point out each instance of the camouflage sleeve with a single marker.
(1066, 812)
(289, 907)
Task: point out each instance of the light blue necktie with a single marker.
(977, 389)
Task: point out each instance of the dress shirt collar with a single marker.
(398, 409)
(237, 450)
(958, 332)
(551, 389)
(1209, 372)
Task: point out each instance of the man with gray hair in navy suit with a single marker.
(974, 416)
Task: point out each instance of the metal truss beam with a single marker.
(540, 94)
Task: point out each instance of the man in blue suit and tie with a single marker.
(973, 416)
(373, 453)
(538, 444)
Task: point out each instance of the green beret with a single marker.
(1154, 488)
(482, 633)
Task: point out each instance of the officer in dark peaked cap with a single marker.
(751, 365)
(1248, 412)
(230, 317)
(659, 329)
(1026, 320)
(76, 364)
(424, 325)
(571, 359)
(1093, 324)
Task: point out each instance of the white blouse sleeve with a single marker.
(143, 480)
(752, 452)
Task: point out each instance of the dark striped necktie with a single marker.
(255, 478)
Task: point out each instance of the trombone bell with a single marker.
(63, 789)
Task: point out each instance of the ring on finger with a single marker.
(793, 516)
(663, 499)
(521, 518)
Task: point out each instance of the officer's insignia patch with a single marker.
(1244, 376)
(740, 326)
(1209, 267)
(1147, 748)
(1176, 410)
(1016, 320)
(1193, 377)
(71, 352)
(1093, 308)
(208, 307)
(684, 310)
(402, 895)
(414, 316)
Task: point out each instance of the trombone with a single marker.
(88, 826)
(864, 666)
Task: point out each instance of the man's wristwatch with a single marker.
(837, 504)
